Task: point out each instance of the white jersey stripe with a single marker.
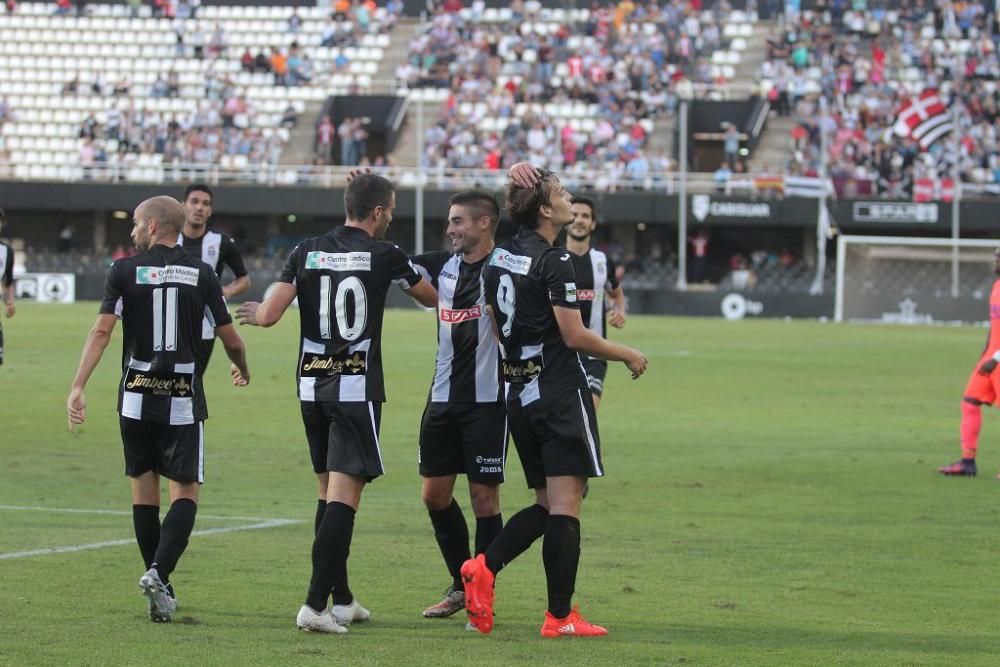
(599, 265)
(441, 389)
(131, 405)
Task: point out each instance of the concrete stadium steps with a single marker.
(756, 52)
(775, 145)
(299, 149)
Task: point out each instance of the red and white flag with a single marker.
(924, 118)
(933, 189)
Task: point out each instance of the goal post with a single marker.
(908, 280)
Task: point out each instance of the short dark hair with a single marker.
(198, 187)
(586, 201)
(523, 203)
(481, 203)
(364, 193)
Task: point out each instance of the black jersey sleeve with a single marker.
(211, 294)
(230, 256)
(8, 273)
(400, 268)
(111, 304)
(429, 265)
(290, 273)
(612, 274)
(559, 277)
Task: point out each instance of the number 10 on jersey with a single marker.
(349, 331)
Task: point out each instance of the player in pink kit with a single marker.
(983, 388)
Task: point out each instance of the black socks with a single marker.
(487, 529)
(452, 535)
(329, 555)
(520, 533)
(561, 556)
(174, 534)
(146, 519)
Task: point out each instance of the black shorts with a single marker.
(556, 436)
(596, 370)
(343, 437)
(464, 438)
(175, 451)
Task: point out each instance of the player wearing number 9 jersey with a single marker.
(341, 280)
(530, 288)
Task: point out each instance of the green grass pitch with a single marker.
(770, 500)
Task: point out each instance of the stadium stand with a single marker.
(590, 81)
(111, 92)
(866, 65)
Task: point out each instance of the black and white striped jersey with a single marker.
(218, 251)
(467, 369)
(6, 265)
(161, 296)
(524, 279)
(595, 274)
(341, 279)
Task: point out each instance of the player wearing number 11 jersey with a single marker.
(161, 295)
(341, 280)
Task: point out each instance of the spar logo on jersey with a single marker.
(159, 275)
(585, 294)
(513, 263)
(449, 316)
(339, 261)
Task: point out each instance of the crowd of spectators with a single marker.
(847, 72)
(631, 61)
(202, 136)
(224, 121)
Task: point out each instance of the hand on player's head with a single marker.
(354, 173)
(524, 175)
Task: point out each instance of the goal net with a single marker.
(910, 280)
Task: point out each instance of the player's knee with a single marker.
(485, 499)
(435, 499)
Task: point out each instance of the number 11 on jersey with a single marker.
(165, 320)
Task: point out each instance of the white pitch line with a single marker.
(70, 510)
(272, 523)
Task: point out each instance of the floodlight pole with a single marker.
(956, 201)
(682, 132)
(418, 245)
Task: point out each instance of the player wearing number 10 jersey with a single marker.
(341, 280)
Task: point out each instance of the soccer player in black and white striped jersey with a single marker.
(595, 278)
(530, 287)
(6, 279)
(215, 249)
(341, 280)
(464, 426)
(161, 295)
